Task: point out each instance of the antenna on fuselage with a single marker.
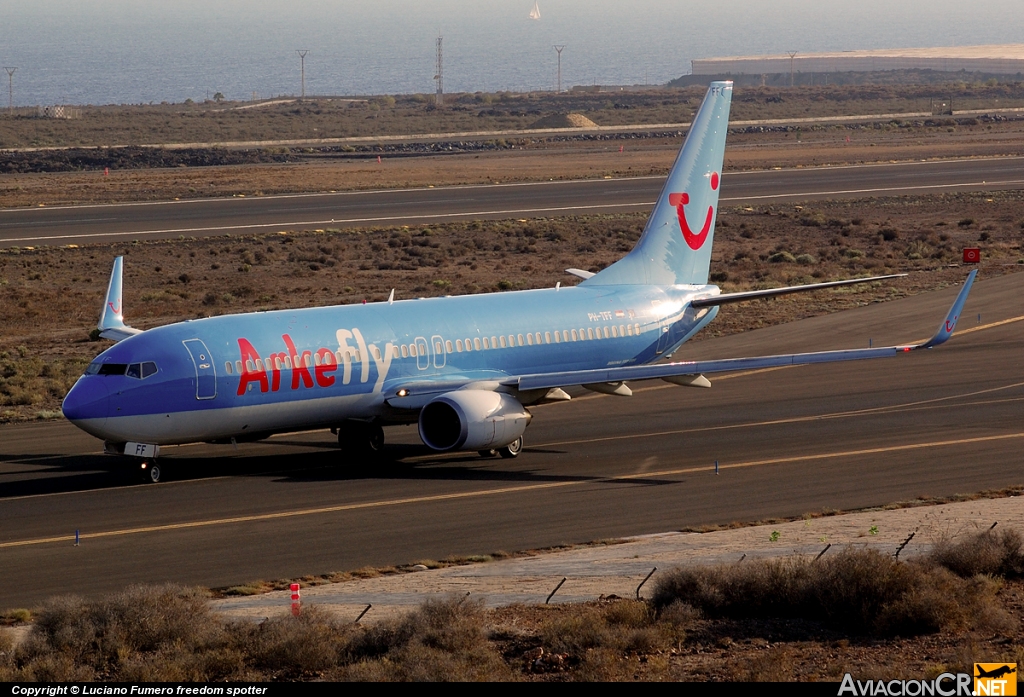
(391, 298)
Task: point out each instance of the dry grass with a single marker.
(992, 552)
(858, 591)
(167, 633)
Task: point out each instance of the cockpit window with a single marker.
(139, 371)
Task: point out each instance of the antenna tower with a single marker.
(302, 58)
(10, 89)
(558, 49)
(440, 74)
(792, 55)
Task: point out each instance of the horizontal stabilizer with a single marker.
(726, 298)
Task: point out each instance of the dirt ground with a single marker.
(522, 159)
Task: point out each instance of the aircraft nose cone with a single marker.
(87, 402)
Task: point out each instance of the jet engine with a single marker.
(472, 420)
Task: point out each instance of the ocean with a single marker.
(150, 51)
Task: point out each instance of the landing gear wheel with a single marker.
(361, 439)
(487, 453)
(512, 449)
(151, 472)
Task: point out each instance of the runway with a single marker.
(61, 225)
(788, 441)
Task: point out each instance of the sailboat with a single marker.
(535, 12)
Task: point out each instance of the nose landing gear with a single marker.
(150, 472)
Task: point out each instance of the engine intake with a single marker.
(472, 420)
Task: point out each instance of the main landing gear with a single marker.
(361, 439)
(511, 450)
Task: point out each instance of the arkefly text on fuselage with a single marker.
(464, 368)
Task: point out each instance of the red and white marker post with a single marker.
(296, 600)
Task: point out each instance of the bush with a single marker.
(860, 591)
(996, 553)
(782, 257)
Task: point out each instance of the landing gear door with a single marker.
(206, 372)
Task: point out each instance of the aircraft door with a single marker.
(422, 357)
(663, 339)
(440, 355)
(206, 372)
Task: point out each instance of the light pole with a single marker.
(302, 59)
(792, 55)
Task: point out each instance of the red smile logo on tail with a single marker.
(679, 201)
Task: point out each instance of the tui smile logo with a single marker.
(679, 201)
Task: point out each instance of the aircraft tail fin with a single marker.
(675, 247)
(111, 324)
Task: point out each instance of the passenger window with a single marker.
(558, 337)
(574, 336)
(503, 344)
(476, 343)
(636, 328)
(316, 359)
(583, 334)
(487, 343)
(529, 339)
(135, 371)
(458, 345)
(249, 367)
(405, 351)
(469, 345)
(511, 341)
(547, 337)
(238, 367)
(494, 342)
(412, 350)
(521, 340)
(629, 328)
(448, 345)
(227, 367)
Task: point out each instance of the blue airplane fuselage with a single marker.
(253, 374)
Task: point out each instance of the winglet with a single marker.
(111, 324)
(949, 324)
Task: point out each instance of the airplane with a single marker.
(464, 368)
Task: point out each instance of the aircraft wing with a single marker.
(725, 298)
(669, 370)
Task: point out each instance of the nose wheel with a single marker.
(150, 472)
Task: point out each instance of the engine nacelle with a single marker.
(472, 420)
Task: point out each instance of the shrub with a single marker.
(996, 553)
(860, 591)
(782, 257)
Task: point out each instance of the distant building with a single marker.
(1007, 59)
(59, 111)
